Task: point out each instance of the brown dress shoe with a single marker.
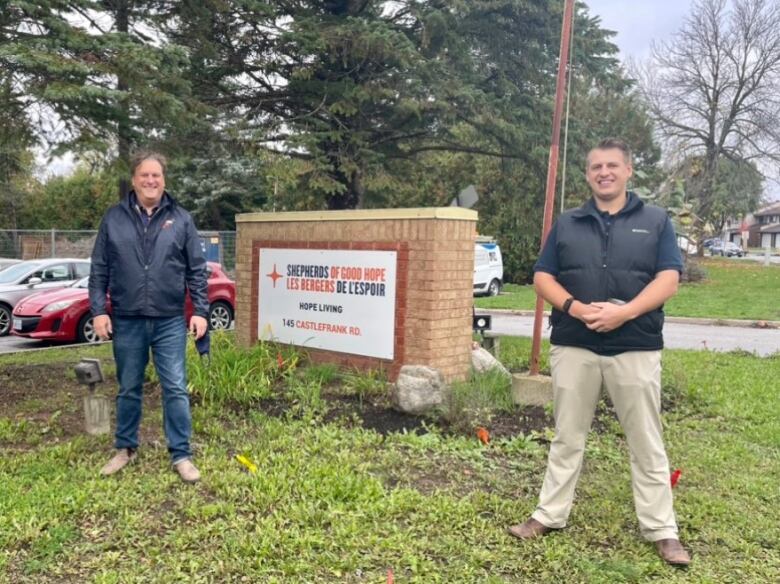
(672, 552)
(529, 530)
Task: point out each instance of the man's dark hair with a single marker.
(616, 143)
(141, 155)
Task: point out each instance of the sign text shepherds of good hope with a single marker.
(337, 300)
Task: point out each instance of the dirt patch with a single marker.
(45, 404)
(374, 415)
(523, 421)
(48, 398)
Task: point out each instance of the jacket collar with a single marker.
(589, 209)
(131, 200)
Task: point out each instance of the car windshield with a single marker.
(13, 273)
(83, 283)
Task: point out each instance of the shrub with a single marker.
(236, 374)
(693, 271)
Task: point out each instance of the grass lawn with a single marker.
(335, 502)
(733, 289)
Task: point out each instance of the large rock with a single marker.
(419, 389)
(483, 360)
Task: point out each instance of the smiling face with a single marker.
(149, 183)
(608, 173)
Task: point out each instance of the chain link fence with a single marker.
(28, 244)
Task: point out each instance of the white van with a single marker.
(488, 267)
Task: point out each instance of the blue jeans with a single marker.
(167, 338)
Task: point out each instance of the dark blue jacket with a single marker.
(596, 265)
(148, 269)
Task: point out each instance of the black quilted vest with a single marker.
(596, 266)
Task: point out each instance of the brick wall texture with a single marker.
(433, 289)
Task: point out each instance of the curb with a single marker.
(730, 322)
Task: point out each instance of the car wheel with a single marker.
(495, 288)
(86, 330)
(5, 320)
(220, 316)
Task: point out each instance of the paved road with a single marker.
(676, 335)
(756, 257)
(11, 344)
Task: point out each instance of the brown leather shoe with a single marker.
(672, 552)
(529, 530)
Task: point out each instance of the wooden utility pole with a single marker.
(552, 170)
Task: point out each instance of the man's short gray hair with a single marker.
(141, 155)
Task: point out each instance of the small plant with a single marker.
(306, 395)
(321, 373)
(364, 384)
(14, 431)
(473, 403)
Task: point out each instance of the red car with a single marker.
(63, 314)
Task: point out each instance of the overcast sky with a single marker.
(639, 23)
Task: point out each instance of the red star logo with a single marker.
(275, 275)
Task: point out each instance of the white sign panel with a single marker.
(339, 300)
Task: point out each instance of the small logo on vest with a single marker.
(639, 231)
(168, 223)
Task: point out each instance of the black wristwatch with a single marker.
(567, 304)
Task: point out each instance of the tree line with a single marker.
(310, 104)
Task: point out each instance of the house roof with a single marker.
(773, 209)
(771, 228)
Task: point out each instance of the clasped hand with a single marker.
(603, 317)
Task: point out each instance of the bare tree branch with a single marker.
(714, 89)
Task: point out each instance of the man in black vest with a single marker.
(607, 268)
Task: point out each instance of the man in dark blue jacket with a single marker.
(147, 255)
(607, 268)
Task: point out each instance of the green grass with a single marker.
(512, 297)
(741, 290)
(335, 503)
(733, 290)
(67, 354)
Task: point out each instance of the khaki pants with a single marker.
(633, 381)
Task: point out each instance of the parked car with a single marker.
(726, 248)
(488, 267)
(6, 262)
(63, 315)
(708, 243)
(32, 276)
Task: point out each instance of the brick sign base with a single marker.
(434, 277)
